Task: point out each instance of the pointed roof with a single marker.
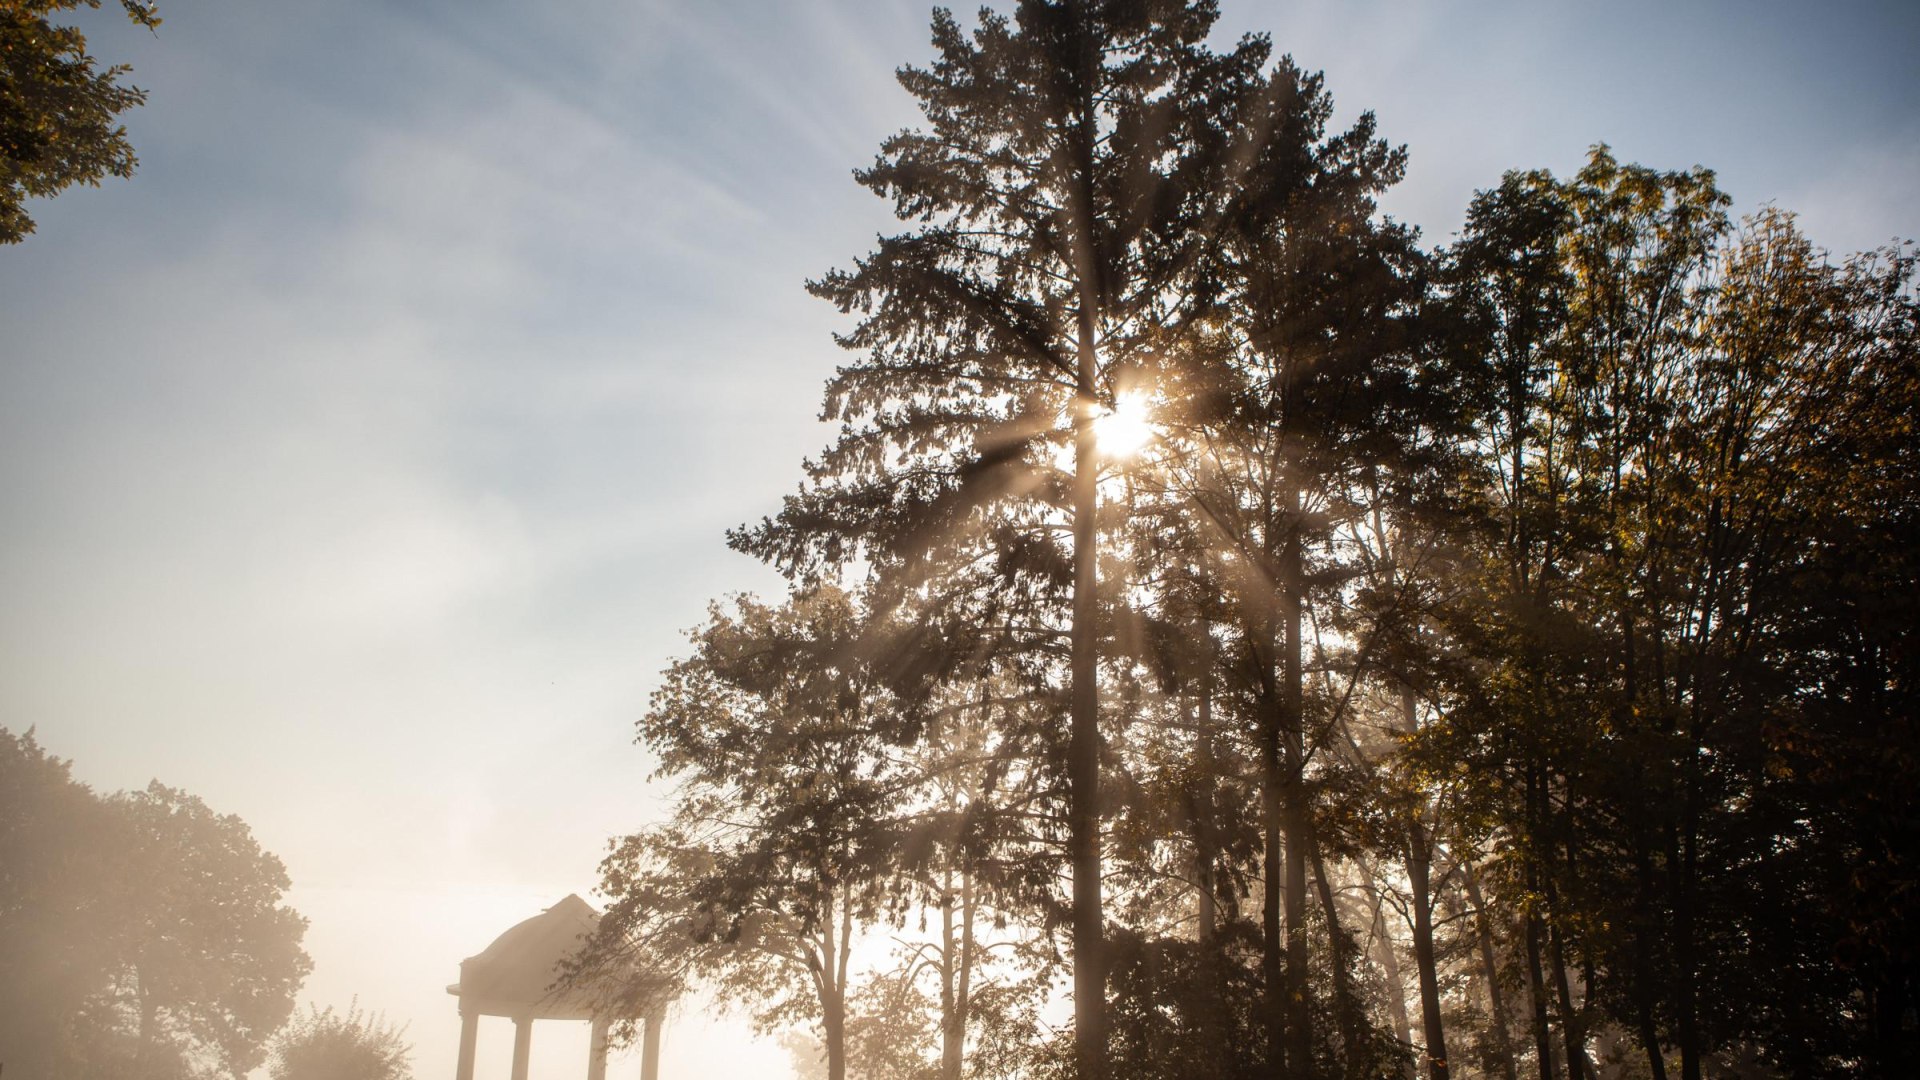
(515, 976)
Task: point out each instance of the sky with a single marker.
(365, 457)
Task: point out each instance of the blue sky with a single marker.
(363, 458)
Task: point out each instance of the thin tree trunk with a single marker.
(956, 972)
(1578, 1068)
(1537, 989)
(1206, 909)
(1643, 981)
(1685, 957)
(1294, 810)
(1572, 1025)
(1272, 942)
(1892, 1048)
(1536, 930)
(1203, 815)
(1346, 1005)
(830, 981)
(1390, 966)
(1496, 999)
(1299, 1010)
(1419, 864)
(949, 997)
(149, 1026)
(1625, 719)
(1206, 809)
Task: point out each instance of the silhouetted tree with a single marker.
(1303, 382)
(1083, 163)
(774, 859)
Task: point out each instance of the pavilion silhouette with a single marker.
(517, 977)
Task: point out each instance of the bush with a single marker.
(324, 1046)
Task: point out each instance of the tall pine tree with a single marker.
(1076, 165)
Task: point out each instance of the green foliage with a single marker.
(1660, 404)
(324, 1045)
(57, 108)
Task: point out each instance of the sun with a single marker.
(1124, 430)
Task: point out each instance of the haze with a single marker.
(364, 458)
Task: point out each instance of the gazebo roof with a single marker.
(516, 974)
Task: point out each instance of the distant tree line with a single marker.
(1492, 660)
(143, 937)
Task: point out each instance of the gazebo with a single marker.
(515, 976)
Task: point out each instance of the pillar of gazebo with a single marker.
(514, 978)
(522, 1045)
(597, 1052)
(650, 1045)
(469, 1037)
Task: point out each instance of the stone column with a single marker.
(597, 1053)
(469, 1032)
(650, 1046)
(522, 1045)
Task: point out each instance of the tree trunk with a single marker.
(1271, 942)
(1625, 720)
(1083, 744)
(1419, 866)
(1206, 914)
(1536, 931)
(1496, 999)
(832, 986)
(149, 1027)
(1578, 1068)
(1346, 1006)
(956, 974)
(1203, 814)
(834, 1023)
(1686, 959)
(1537, 990)
(1643, 981)
(1892, 1049)
(1390, 966)
(1299, 1015)
(1419, 863)
(949, 1003)
(1205, 809)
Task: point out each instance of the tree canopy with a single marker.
(143, 934)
